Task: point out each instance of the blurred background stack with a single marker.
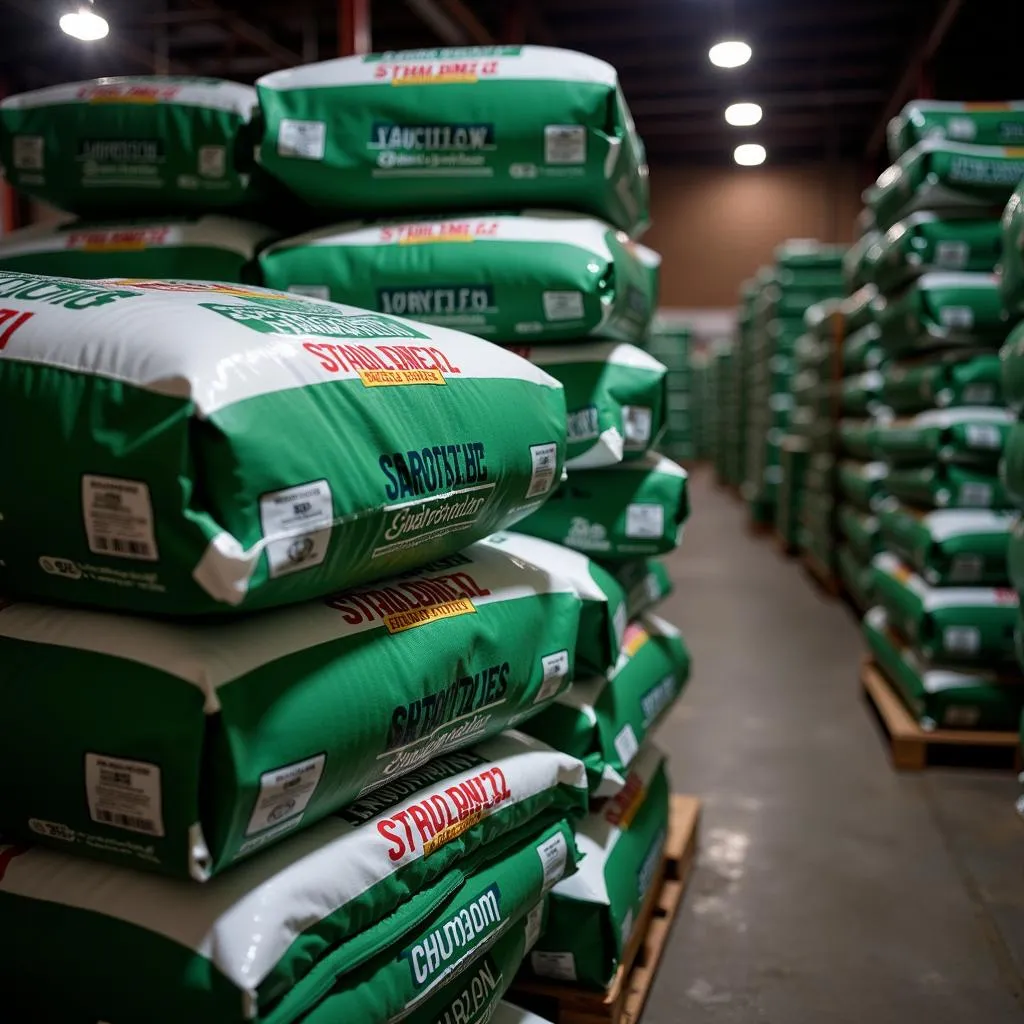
(671, 343)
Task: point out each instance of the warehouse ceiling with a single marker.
(827, 73)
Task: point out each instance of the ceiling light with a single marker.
(731, 53)
(84, 24)
(750, 154)
(743, 115)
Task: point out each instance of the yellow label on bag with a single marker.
(401, 621)
(392, 378)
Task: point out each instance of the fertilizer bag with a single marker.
(647, 582)
(964, 435)
(226, 448)
(983, 124)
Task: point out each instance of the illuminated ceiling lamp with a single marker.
(743, 115)
(730, 53)
(750, 154)
(84, 24)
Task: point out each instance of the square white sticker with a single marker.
(213, 161)
(124, 794)
(29, 152)
(545, 460)
(637, 422)
(296, 523)
(975, 495)
(961, 639)
(552, 853)
(984, 435)
(555, 668)
(559, 966)
(563, 305)
(285, 792)
(626, 745)
(306, 140)
(118, 517)
(644, 522)
(952, 255)
(565, 144)
(956, 316)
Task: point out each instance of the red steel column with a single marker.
(353, 27)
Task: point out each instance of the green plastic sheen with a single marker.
(863, 484)
(860, 529)
(965, 435)
(855, 438)
(916, 387)
(947, 486)
(855, 574)
(131, 145)
(1011, 263)
(273, 938)
(209, 248)
(227, 448)
(646, 581)
(537, 276)
(619, 513)
(251, 729)
(944, 698)
(951, 547)
(983, 124)
(592, 915)
(961, 625)
(604, 721)
(1011, 356)
(494, 126)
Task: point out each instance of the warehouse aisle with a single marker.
(829, 888)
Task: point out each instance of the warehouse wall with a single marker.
(715, 227)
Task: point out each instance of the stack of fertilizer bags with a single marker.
(701, 408)
(942, 626)
(270, 639)
(758, 367)
(671, 344)
(743, 338)
(723, 407)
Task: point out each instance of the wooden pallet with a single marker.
(914, 748)
(623, 1001)
(825, 580)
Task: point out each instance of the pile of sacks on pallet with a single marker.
(944, 617)
(725, 404)
(304, 703)
(671, 343)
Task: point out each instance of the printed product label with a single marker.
(297, 524)
(626, 744)
(118, 518)
(975, 170)
(976, 495)
(552, 853)
(563, 305)
(956, 316)
(565, 144)
(305, 140)
(637, 421)
(961, 639)
(431, 137)
(559, 966)
(438, 302)
(285, 793)
(124, 794)
(961, 717)
(979, 394)
(952, 255)
(966, 568)
(657, 698)
(544, 458)
(212, 162)
(28, 152)
(556, 668)
(644, 521)
(582, 425)
(983, 435)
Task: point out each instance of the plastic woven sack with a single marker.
(615, 395)
(944, 698)
(1011, 264)
(859, 395)
(860, 529)
(983, 124)
(212, 248)
(495, 126)
(947, 486)
(939, 175)
(972, 625)
(592, 916)
(855, 437)
(966, 436)
(536, 276)
(230, 448)
(647, 582)
(942, 310)
(950, 547)
(616, 514)
(605, 720)
(919, 386)
(1011, 356)
(268, 940)
(925, 242)
(863, 484)
(125, 145)
(606, 608)
(862, 350)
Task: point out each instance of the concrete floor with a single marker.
(829, 890)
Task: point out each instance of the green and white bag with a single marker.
(210, 247)
(483, 126)
(606, 608)
(856, 575)
(925, 242)
(861, 531)
(946, 486)
(951, 547)
(1011, 263)
(862, 350)
(619, 513)
(940, 175)
(944, 698)
(929, 384)
(536, 276)
(942, 310)
(973, 625)
(983, 124)
(647, 582)
(605, 720)
(592, 916)
(1011, 356)
(863, 483)
(860, 309)
(964, 435)
(269, 939)
(235, 734)
(615, 395)
(124, 145)
(860, 395)
(228, 448)
(855, 438)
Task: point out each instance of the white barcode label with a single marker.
(956, 316)
(285, 792)
(644, 521)
(297, 522)
(974, 495)
(952, 255)
(213, 161)
(983, 435)
(118, 517)
(626, 745)
(306, 140)
(552, 853)
(545, 460)
(653, 586)
(637, 422)
(555, 669)
(560, 966)
(565, 144)
(563, 305)
(124, 794)
(961, 639)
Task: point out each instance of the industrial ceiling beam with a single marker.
(249, 33)
(452, 21)
(925, 52)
